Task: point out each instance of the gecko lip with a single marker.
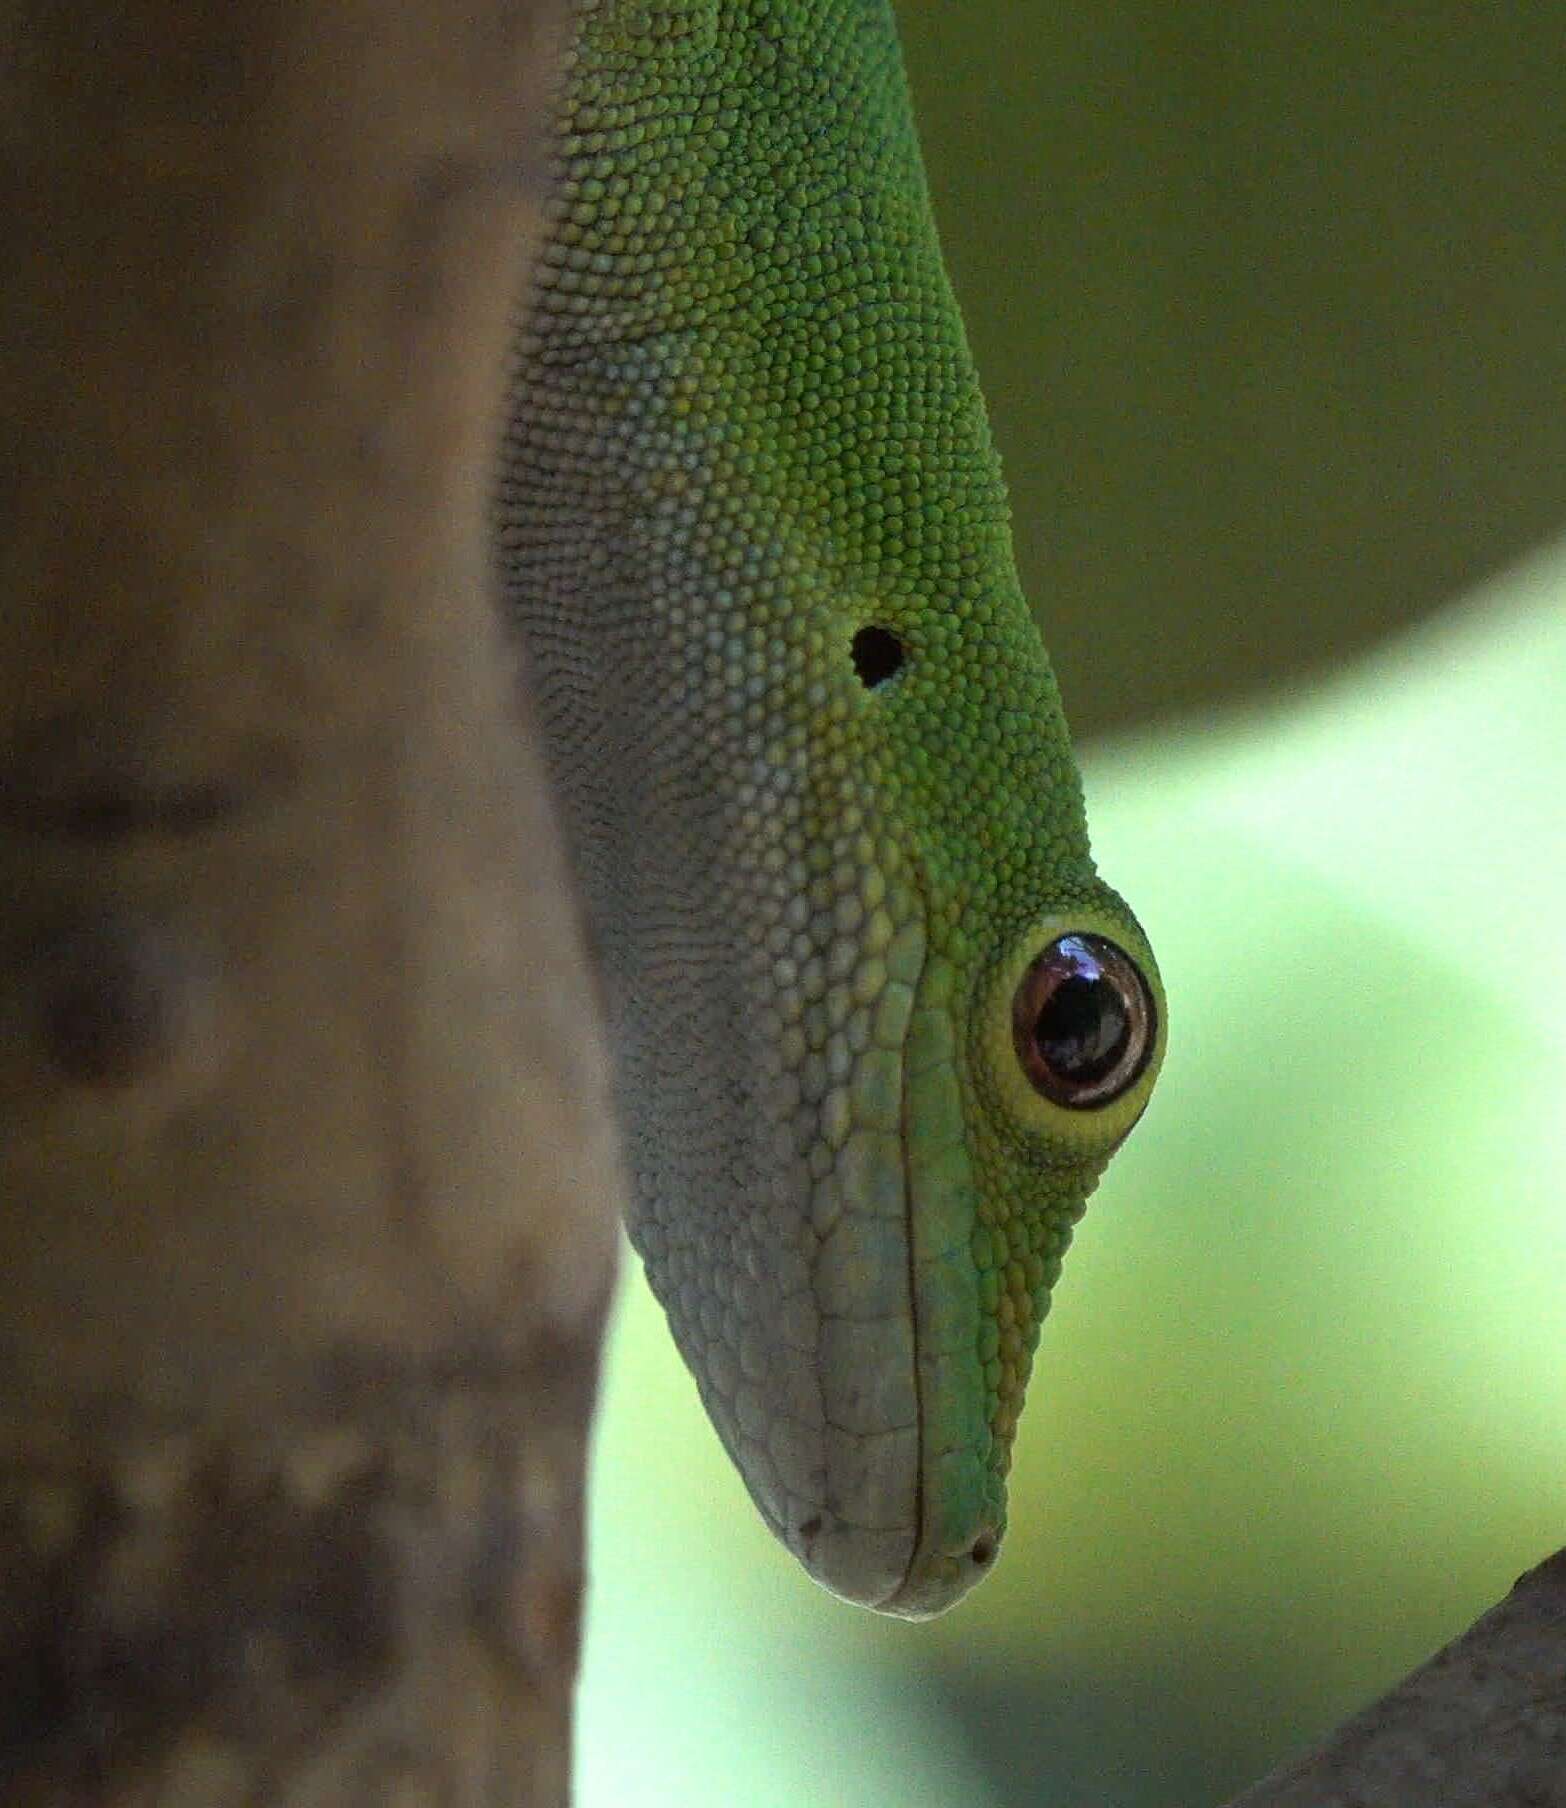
(936, 1581)
(912, 1515)
(835, 1557)
(956, 1529)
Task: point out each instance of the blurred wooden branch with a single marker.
(1482, 1725)
(307, 1192)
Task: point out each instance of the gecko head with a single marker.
(858, 1149)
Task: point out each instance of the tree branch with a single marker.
(1482, 1725)
(307, 1178)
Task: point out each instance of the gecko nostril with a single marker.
(878, 655)
(983, 1550)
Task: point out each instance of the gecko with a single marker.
(877, 1024)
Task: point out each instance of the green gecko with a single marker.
(877, 1024)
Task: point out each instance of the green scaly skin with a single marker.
(746, 427)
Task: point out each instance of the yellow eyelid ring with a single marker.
(1070, 1030)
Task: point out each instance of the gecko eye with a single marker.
(1083, 1022)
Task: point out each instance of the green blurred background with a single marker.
(1268, 303)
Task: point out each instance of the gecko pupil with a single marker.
(1083, 1021)
(1083, 1028)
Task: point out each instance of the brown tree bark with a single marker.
(1482, 1725)
(307, 1189)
